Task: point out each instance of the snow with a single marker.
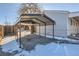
(52, 49)
(61, 38)
(11, 46)
(24, 33)
(7, 39)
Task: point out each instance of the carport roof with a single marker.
(37, 19)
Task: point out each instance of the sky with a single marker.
(72, 7)
(8, 11)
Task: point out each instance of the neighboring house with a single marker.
(73, 24)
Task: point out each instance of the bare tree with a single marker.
(30, 8)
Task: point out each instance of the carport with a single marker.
(35, 19)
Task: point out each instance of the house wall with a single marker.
(61, 18)
(73, 26)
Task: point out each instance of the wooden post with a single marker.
(31, 28)
(20, 34)
(39, 29)
(45, 30)
(53, 30)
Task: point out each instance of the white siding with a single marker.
(61, 18)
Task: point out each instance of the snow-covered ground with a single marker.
(62, 38)
(52, 49)
(24, 33)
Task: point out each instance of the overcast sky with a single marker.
(9, 11)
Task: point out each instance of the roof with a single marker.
(74, 14)
(41, 19)
(58, 11)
